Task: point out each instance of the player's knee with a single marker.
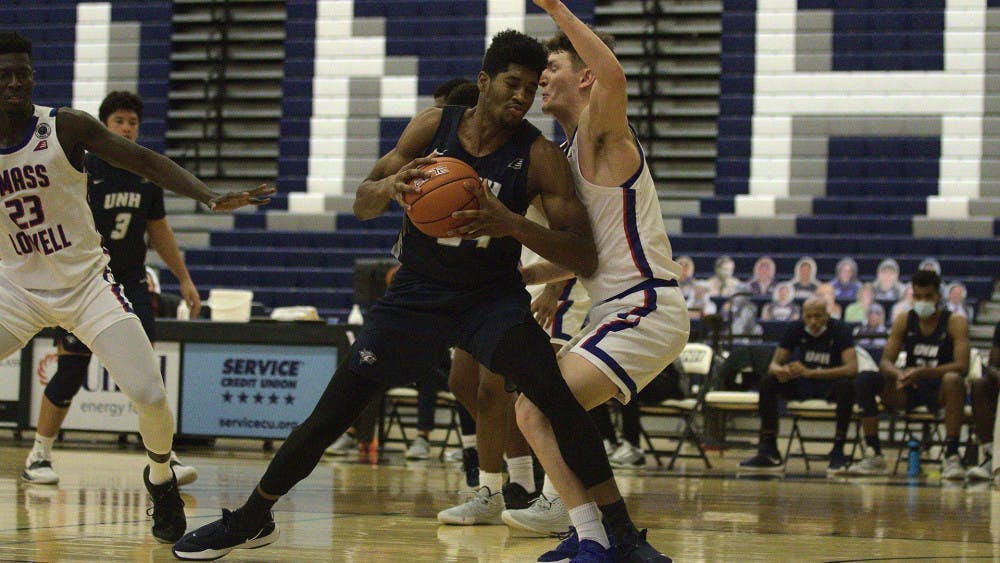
(66, 383)
(150, 394)
(952, 383)
(491, 394)
(982, 386)
(529, 418)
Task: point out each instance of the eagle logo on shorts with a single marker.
(367, 357)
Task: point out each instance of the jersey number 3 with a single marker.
(122, 221)
(26, 212)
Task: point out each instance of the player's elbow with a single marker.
(615, 78)
(588, 262)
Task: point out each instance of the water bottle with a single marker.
(183, 311)
(913, 462)
(355, 317)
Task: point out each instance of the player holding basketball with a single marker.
(451, 292)
(639, 322)
(52, 268)
(126, 207)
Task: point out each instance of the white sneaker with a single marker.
(484, 507)
(981, 472)
(868, 466)
(420, 448)
(628, 455)
(185, 474)
(545, 516)
(609, 447)
(40, 471)
(344, 445)
(951, 469)
(453, 456)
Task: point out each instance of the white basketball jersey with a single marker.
(50, 240)
(627, 222)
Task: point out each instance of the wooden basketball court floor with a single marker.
(353, 511)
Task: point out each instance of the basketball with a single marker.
(441, 195)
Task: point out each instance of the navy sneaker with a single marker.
(169, 522)
(633, 548)
(215, 540)
(470, 465)
(592, 552)
(565, 551)
(763, 461)
(516, 498)
(838, 463)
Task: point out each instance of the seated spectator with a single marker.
(930, 264)
(742, 313)
(686, 282)
(805, 282)
(872, 333)
(905, 303)
(984, 410)
(700, 304)
(956, 301)
(887, 285)
(782, 306)
(815, 360)
(826, 292)
(936, 343)
(763, 277)
(855, 312)
(845, 283)
(723, 283)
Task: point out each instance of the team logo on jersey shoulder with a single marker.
(516, 164)
(42, 145)
(367, 357)
(43, 130)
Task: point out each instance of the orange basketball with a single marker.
(441, 195)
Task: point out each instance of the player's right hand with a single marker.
(399, 183)
(544, 306)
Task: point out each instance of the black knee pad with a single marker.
(65, 384)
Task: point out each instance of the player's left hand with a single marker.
(492, 219)
(190, 294)
(797, 369)
(234, 200)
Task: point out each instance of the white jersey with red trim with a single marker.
(632, 243)
(50, 241)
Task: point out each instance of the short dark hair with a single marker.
(444, 90)
(464, 95)
(120, 100)
(926, 278)
(513, 47)
(14, 42)
(561, 44)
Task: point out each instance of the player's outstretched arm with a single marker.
(608, 112)
(390, 177)
(78, 132)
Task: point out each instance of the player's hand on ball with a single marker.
(234, 200)
(402, 181)
(492, 219)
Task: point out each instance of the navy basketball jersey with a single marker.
(928, 350)
(122, 204)
(819, 352)
(457, 262)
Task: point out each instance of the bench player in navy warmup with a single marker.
(53, 271)
(451, 292)
(126, 207)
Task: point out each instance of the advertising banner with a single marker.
(100, 405)
(252, 390)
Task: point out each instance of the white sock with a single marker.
(587, 521)
(522, 471)
(160, 473)
(493, 481)
(41, 450)
(549, 490)
(468, 441)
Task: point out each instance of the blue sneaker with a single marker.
(592, 552)
(169, 522)
(633, 548)
(565, 551)
(215, 540)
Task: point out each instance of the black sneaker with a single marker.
(169, 522)
(215, 540)
(838, 463)
(470, 465)
(763, 461)
(516, 498)
(633, 548)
